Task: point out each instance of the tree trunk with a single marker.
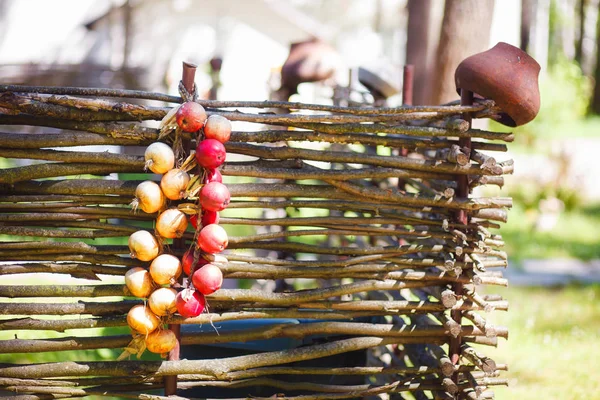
(581, 31)
(465, 31)
(567, 27)
(418, 42)
(526, 17)
(595, 105)
(541, 33)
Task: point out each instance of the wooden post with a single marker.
(408, 84)
(461, 217)
(188, 75)
(408, 74)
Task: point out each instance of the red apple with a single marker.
(214, 196)
(217, 127)
(194, 220)
(209, 217)
(190, 117)
(213, 175)
(213, 239)
(208, 279)
(210, 153)
(190, 303)
(188, 259)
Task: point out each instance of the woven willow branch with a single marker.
(327, 391)
(407, 333)
(343, 310)
(370, 307)
(138, 94)
(47, 247)
(218, 367)
(238, 295)
(396, 240)
(113, 187)
(68, 139)
(250, 373)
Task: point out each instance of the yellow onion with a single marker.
(149, 197)
(174, 183)
(163, 301)
(171, 223)
(161, 341)
(159, 158)
(164, 268)
(141, 319)
(143, 246)
(139, 282)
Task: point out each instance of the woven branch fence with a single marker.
(393, 249)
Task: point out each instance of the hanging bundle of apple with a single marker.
(159, 282)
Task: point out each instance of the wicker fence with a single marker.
(392, 248)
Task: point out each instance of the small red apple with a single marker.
(188, 259)
(214, 196)
(213, 239)
(194, 221)
(210, 153)
(209, 217)
(190, 117)
(190, 303)
(208, 279)
(217, 127)
(213, 175)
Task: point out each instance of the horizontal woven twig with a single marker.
(113, 187)
(239, 295)
(69, 139)
(412, 334)
(338, 311)
(267, 310)
(325, 391)
(249, 373)
(217, 367)
(139, 94)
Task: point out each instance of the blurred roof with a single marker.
(279, 20)
(85, 74)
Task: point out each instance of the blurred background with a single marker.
(553, 233)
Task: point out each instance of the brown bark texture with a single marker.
(465, 31)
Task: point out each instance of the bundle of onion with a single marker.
(204, 277)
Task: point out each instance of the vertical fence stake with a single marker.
(408, 75)
(187, 77)
(407, 84)
(466, 99)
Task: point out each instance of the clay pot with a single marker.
(308, 61)
(507, 75)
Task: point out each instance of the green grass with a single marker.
(576, 235)
(541, 138)
(552, 350)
